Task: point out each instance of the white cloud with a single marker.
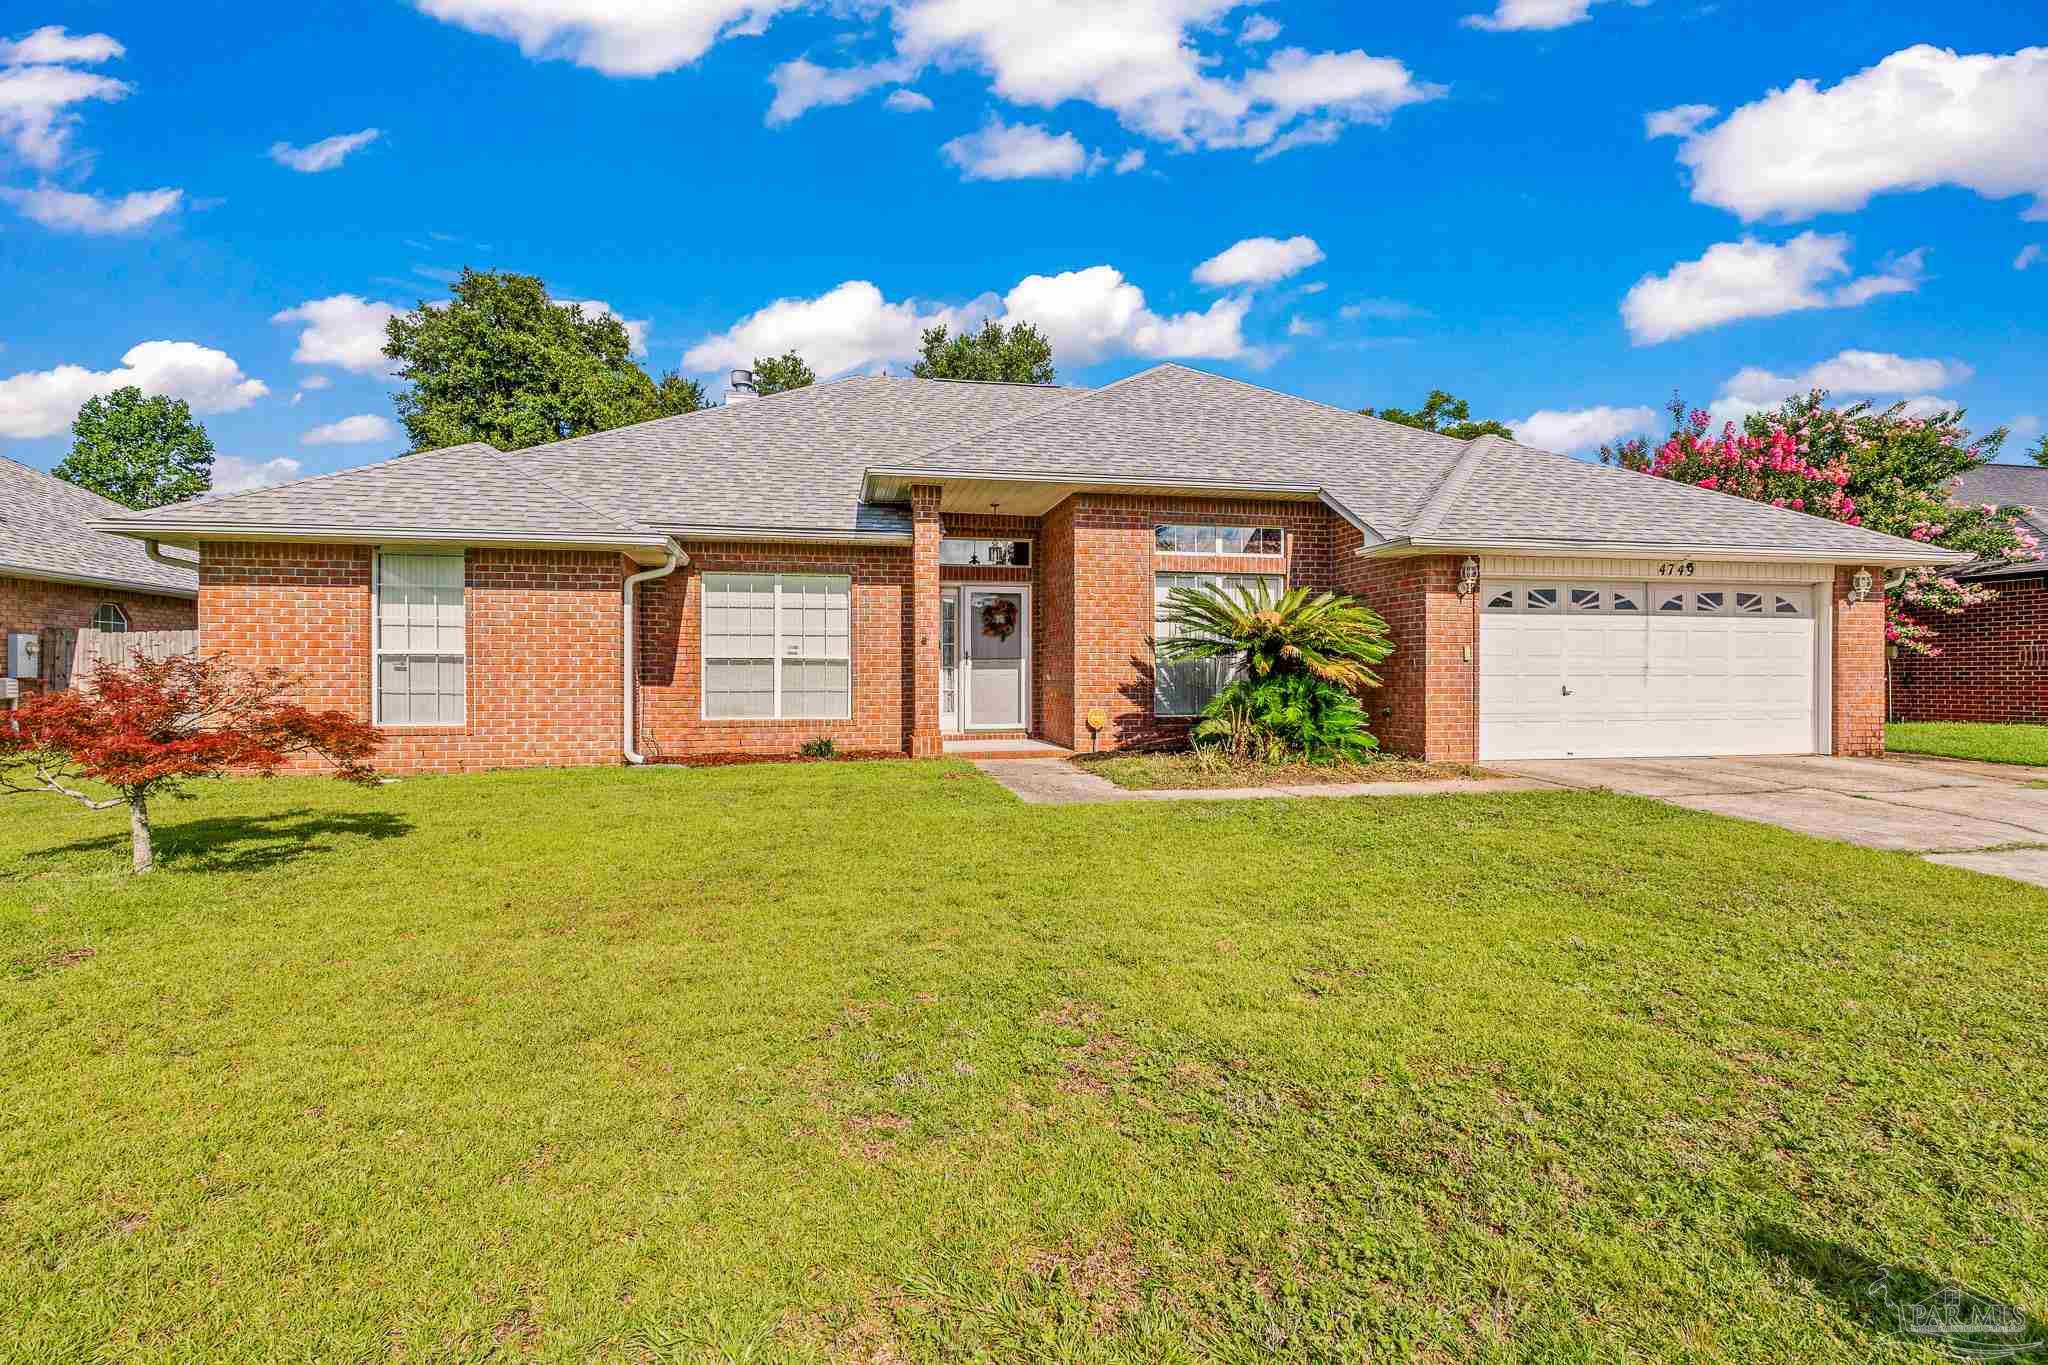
(70, 211)
(44, 402)
(907, 102)
(1318, 287)
(52, 44)
(1299, 326)
(2029, 254)
(1133, 160)
(1513, 16)
(1382, 310)
(1142, 61)
(1680, 121)
(1926, 405)
(1259, 28)
(1752, 279)
(803, 85)
(1846, 372)
(34, 108)
(351, 431)
(343, 330)
(1022, 151)
(232, 474)
(636, 328)
(310, 384)
(1086, 314)
(1568, 431)
(1922, 117)
(323, 155)
(1258, 260)
(638, 38)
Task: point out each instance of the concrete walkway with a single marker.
(1981, 816)
(1064, 784)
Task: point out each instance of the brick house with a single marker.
(910, 565)
(1993, 664)
(59, 574)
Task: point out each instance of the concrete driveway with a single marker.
(1982, 816)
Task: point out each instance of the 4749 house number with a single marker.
(1677, 568)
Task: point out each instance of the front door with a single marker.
(995, 666)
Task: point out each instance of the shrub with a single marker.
(1293, 715)
(821, 747)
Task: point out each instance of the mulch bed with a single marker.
(737, 760)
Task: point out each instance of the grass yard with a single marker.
(873, 1062)
(1187, 771)
(1956, 739)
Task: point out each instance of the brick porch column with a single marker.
(924, 613)
(1859, 671)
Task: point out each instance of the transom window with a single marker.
(111, 618)
(1184, 688)
(1183, 539)
(421, 640)
(778, 646)
(1014, 554)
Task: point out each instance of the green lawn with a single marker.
(873, 1062)
(1955, 739)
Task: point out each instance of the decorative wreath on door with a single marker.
(999, 618)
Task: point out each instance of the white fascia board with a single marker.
(787, 535)
(1304, 490)
(1411, 545)
(93, 581)
(189, 534)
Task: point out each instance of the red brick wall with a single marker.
(31, 604)
(1427, 705)
(1104, 626)
(1057, 713)
(671, 698)
(543, 647)
(1859, 668)
(1993, 664)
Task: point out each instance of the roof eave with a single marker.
(786, 535)
(649, 548)
(1587, 549)
(97, 581)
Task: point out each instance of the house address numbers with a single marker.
(1677, 568)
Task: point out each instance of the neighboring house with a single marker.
(1993, 664)
(893, 562)
(59, 574)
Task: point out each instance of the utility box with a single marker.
(24, 655)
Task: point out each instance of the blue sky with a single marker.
(1463, 196)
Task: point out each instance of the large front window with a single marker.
(1184, 688)
(421, 640)
(778, 646)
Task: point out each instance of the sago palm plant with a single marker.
(1325, 635)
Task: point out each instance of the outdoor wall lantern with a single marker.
(1859, 586)
(1468, 577)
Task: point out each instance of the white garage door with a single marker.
(1640, 670)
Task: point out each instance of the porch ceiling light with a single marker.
(1468, 577)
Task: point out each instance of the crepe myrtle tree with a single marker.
(1886, 471)
(152, 727)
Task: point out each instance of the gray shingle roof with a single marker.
(44, 534)
(2009, 485)
(467, 489)
(797, 462)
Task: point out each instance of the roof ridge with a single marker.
(707, 408)
(1047, 410)
(1454, 482)
(608, 514)
(1301, 398)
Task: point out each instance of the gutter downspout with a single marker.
(156, 552)
(676, 560)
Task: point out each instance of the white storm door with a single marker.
(995, 627)
(949, 659)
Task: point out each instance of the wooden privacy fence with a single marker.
(71, 655)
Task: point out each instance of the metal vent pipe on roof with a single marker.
(744, 390)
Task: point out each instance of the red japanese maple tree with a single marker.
(150, 727)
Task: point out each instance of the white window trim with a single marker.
(118, 610)
(776, 659)
(377, 650)
(1157, 712)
